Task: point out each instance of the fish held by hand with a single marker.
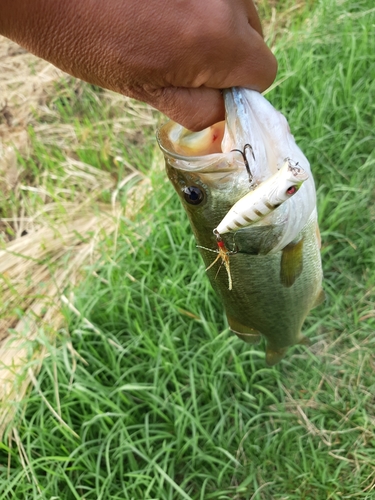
(249, 193)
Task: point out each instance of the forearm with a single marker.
(70, 34)
(173, 55)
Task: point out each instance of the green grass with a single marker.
(168, 404)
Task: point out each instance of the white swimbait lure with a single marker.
(265, 198)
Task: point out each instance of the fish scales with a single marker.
(275, 265)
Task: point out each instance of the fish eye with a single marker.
(193, 195)
(291, 190)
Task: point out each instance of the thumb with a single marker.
(194, 108)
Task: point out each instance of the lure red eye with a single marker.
(291, 190)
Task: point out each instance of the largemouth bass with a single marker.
(272, 273)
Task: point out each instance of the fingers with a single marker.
(251, 64)
(230, 51)
(195, 109)
(258, 67)
(253, 17)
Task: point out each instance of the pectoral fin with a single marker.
(291, 264)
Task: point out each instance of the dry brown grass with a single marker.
(43, 247)
(278, 16)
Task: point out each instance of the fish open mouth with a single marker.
(181, 142)
(200, 152)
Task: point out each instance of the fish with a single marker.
(267, 270)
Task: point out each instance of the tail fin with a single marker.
(273, 356)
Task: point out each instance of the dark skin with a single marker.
(175, 55)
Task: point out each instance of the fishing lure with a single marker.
(265, 198)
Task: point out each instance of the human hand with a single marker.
(174, 55)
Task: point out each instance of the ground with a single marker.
(143, 392)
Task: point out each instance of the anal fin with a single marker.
(245, 333)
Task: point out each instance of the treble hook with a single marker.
(243, 153)
(293, 166)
